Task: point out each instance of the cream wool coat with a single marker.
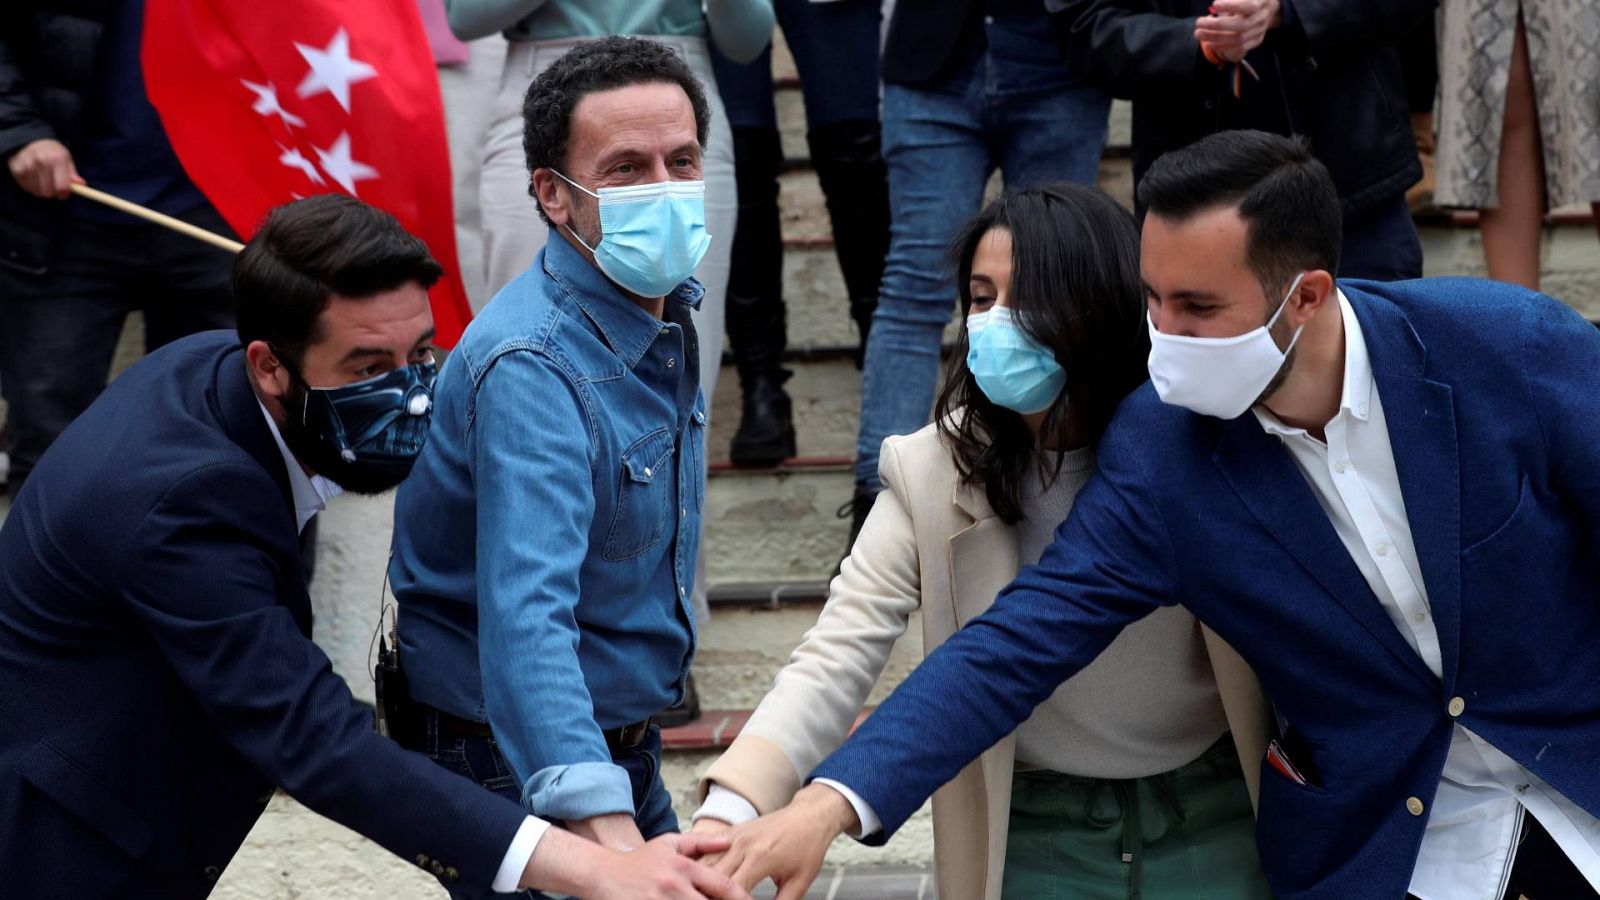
(934, 544)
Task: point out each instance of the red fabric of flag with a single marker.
(268, 100)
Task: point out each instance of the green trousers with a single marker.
(1188, 834)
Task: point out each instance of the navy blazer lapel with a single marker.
(239, 412)
(1420, 414)
(1261, 473)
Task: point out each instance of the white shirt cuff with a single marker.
(521, 850)
(869, 819)
(726, 805)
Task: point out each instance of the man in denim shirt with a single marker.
(544, 547)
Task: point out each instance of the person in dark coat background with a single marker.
(1327, 70)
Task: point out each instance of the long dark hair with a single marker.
(1075, 288)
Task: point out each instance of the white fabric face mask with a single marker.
(1219, 377)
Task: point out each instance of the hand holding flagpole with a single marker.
(150, 215)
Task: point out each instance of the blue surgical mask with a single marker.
(651, 235)
(1012, 369)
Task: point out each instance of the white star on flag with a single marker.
(294, 159)
(341, 168)
(332, 70)
(267, 104)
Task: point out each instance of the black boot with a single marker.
(848, 158)
(766, 424)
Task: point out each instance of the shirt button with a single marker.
(1383, 549)
(671, 362)
(1421, 617)
(665, 329)
(1414, 806)
(1523, 788)
(1340, 467)
(648, 473)
(1457, 707)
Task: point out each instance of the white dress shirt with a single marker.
(1467, 849)
(311, 494)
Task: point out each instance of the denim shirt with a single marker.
(544, 545)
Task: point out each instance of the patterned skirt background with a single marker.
(1475, 41)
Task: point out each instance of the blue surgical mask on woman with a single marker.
(1013, 370)
(652, 236)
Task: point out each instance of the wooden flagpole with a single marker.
(150, 215)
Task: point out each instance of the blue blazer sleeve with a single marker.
(201, 579)
(1561, 365)
(1111, 564)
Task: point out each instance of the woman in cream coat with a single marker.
(1125, 783)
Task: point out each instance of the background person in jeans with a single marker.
(544, 548)
(835, 47)
(73, 108)
(970, 86)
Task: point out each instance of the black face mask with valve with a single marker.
(365, 436)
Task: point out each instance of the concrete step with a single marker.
(826, 399)
(775, 525)
(742, 650)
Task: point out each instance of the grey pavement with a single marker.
(866, 883)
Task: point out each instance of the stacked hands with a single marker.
(1235, 27)
(786, 846)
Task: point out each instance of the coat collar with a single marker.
(239, 411)
(627, 330)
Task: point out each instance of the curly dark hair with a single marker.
(604, 64)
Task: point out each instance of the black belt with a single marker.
(625, 738)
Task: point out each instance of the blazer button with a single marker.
(1414, 806)
(451, 875)
(213, 873)
(422, 860)
(1457, 707)
(438, 869)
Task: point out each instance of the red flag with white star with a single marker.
(265, 102)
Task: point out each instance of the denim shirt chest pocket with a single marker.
(644, 497)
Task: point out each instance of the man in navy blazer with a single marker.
(1385, 497)
(157, 677)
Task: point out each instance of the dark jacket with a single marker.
(157, 678)
(1332, 63)
(928, 38)
(48, 50)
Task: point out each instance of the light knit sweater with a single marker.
(1149, 703)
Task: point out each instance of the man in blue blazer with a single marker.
(1385, 496)
(157, 677)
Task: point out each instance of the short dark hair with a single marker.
(603, 64)
(1284, 194)
(309, 250)
(1075, 289)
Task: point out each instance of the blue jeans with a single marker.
(1016, 109)
(479, 759)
